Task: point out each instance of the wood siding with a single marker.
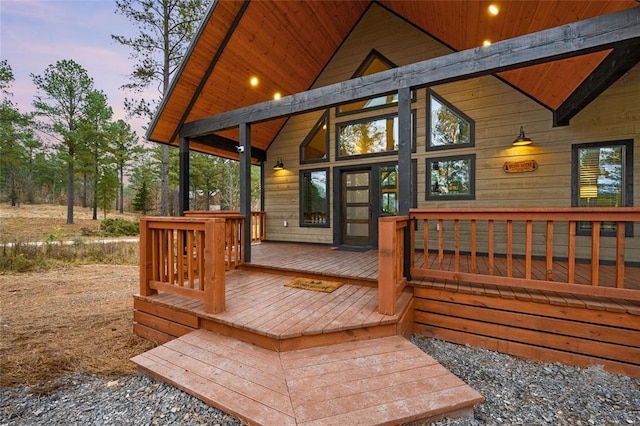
(498, 111)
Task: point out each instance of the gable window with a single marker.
(315, 147)
(374, 63)
(451, 178)
(314, 198)
(448, 126)
(602, 176)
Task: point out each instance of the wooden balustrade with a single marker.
(258, 220)
(184, 256)
(258, 226)
(520, 245)
(391, 279)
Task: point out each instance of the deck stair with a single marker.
(386, 380)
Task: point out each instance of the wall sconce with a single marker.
(279, 165)
(522, 140)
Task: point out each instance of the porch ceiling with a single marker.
(286, 44)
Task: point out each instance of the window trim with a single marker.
(472, 178)
(627, 178)
(371, 56)
(324, 117)
(414, 121)
(327, 223)
(457, 111)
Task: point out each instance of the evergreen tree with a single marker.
(62, 99)
(141, 202)
(165, 29)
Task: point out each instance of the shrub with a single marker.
(117, 227)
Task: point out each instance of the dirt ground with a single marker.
(78, 319)
(31, 222)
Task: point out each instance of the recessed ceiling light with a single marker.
(277, 96)
(254, 81)
(486, 43)
(493, 9)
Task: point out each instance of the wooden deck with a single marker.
(262, 311)
(381, 381)
(280, 355)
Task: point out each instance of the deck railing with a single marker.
(391, 279)
(184, 256)
(464, 245)
(258, 220)
(476, 237)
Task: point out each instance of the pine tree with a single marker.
(142, 200)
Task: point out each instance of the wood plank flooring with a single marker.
(259, 302)
(381, 381)
(326, 260)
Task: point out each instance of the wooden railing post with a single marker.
(214, 253)
(146, 259)
(386, 266)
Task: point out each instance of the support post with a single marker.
(184, 175)
(245, 187)
(405, 171)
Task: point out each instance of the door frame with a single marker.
(374, 194)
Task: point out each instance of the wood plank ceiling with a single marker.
(286, 44)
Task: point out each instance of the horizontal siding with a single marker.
(498, 111)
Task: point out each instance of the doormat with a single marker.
(314, 285)
(357, 249)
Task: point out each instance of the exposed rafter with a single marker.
(592, 35)
(616, 64)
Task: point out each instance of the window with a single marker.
(389, 190)
(315, 147)
(314, 198)
(377, 135)
(451, 178)
(368, 137)
(602, 176)
(374, 63)
(448, 127)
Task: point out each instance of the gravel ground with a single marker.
(516, 392)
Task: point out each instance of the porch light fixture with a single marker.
(279, 165)
(493, 9)
(522, 140)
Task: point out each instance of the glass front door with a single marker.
(356, 213)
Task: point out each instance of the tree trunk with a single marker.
(95, 196)
(14, 193)
(121, 190)
(84, 189)
(164, 187)
(70, 191)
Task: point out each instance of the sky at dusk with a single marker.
(35, 34)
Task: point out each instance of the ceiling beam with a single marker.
(578, 38)
(220, 143)
(614, 66)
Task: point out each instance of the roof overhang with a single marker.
(287, 44)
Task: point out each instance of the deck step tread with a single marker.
(380, 381)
